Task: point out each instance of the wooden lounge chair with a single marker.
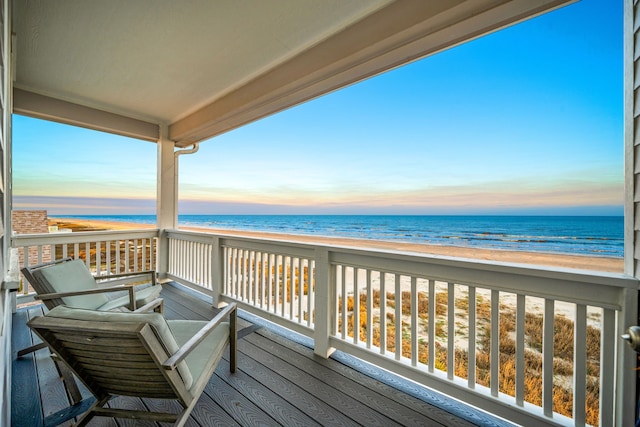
(70, 282)
(138, 354)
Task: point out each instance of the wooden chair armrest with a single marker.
(150, 306)
(189, 346)
(129, 289)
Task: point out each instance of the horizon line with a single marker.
(324, 214)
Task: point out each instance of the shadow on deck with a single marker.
(279, 382)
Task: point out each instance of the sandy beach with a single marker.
(607, 264)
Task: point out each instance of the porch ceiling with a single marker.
(205, 67)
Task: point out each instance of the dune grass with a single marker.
(563, 346)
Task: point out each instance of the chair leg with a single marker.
(69, 382)
(233, 341)
(186, 413)
(64, 372)
(31, 349)
(84, 420)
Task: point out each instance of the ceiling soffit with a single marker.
(214, 66)
(395, 35)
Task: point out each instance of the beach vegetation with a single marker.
(113, 256)
(563, 344)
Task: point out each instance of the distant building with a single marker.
(30, 222)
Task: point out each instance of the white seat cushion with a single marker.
(74, 276)
(214, 344)
(143, 296)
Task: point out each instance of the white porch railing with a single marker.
(104, 252)
(534, 345)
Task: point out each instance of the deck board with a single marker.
(279, 382)
(54, 396)
(402, 406)
(305, 401)
(29, 411)
(331, 394)
(209, 413)
(369, 399)
(279, 408)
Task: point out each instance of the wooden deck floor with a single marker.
(279, 382)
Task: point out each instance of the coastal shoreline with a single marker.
(580, 262)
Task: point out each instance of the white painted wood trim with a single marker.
(630, 129)
(56, 110)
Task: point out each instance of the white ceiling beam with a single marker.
(44, 107)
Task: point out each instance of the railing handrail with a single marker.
(598, 288)
(80, 236)
(231, 239)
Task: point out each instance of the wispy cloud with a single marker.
(512, 194)
(56, 205)
(516, 197)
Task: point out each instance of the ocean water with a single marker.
(583, 235)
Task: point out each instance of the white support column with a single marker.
(6, 107)
(216, 271)
(7, 299)
(630, 142)
(626, 364)
(167, 200)
(626, 375)
(324, 295)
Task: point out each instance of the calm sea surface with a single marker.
(586, 235)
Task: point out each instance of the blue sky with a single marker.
(528, 120)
